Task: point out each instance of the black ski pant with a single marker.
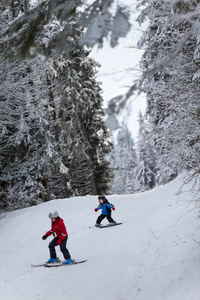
(101, 217)
(63, 248)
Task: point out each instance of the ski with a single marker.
(59, 264)
(62, 264)
(109, 225)
(103, 226)
(39, 265)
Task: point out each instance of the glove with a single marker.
(95, 209)
(45, 237)
(113, 208)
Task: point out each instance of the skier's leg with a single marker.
(100, 218)
(52, 250)
(64, 249)
(110, 219)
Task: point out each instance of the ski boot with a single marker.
(112, 223)
(53, 260)
(68, 261)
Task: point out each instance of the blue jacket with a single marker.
(103, 207)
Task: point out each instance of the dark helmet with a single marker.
(104, 199)
(101, 197)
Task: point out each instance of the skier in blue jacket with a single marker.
(106, 211)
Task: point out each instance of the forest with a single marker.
(54, 142)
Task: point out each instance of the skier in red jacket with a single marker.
(59, 232)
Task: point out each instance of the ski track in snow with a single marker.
(154, 254)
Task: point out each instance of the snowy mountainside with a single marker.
(154, 254)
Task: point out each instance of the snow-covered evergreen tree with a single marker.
(27, 146)
(146, 165)
(83, 138)
(123, 160)
(27, 152)
(170, 79)
(100, 18)
(53, 138)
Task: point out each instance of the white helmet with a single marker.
(53, 214)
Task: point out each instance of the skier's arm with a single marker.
(110, 206)
(98, 207)
(47, 234)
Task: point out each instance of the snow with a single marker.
(154, 254)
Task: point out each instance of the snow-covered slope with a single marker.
(154, 254)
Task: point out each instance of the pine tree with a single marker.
(54, 142)
(27, 151)
(123, 160)
(83, 138)
(100, 19)
(146, 167)
(170, 80)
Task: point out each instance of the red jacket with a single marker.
(58, 227)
